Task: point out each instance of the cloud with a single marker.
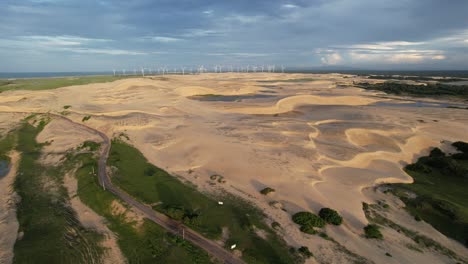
(60, 40)
(105, 51)
(165, 39)
(331, 59)
(289, 6)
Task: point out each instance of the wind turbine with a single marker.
(142, 72)
(114, 71)
(282, 68)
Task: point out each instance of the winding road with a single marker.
(167, 223)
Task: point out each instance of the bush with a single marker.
(308, 229)
(307, 218)
(461, 146)
(150, 171)
(305, 252)
(373, 231)
(436, 153)
(330, 216)
(267, 190)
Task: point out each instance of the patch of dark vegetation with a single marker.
(330, 216)
(197, 210)
(373, 231)
(308, 221)
(415, 78)
(438, 89)
(66, 106)
(373, 215)
(86, 118)
(89, 145)
(267, 190)
(304, 251)
(439, 191)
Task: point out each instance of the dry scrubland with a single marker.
(315, 139)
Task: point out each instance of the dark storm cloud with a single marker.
(101, 34)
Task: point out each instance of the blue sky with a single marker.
(94, 35)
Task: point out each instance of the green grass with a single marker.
(148, 243)
(440, 184)
(372, 214)
(52, 83)
(52, 233)
(199, 211)
(429, 90)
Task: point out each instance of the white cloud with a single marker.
(197, 32)
(394, 58)
(289, 6)
(208, 12)
(245, 19)
(331, 59)
(165, 39)
(105, 51)
(60, 40)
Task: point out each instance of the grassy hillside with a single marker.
(438, 194)
(53, 83)
(152, 185)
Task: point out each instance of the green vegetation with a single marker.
(267, 190)
(415, 78)
(422, 241)
(330, 216)
(86, 118)
(52, 233)
(52, 83)
(66, 106)
(305, 252)
(140, 242)
(308, 221)
(373, 231)
(438, 194)
(152, 185)
(438, 89)
(89, 145)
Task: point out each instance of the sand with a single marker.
(318, 143)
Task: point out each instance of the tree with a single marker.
(307, 218)
(330, 216)
(373, 231)
(305, 252)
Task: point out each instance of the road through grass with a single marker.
(152, 185)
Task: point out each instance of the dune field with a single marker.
(314, 138)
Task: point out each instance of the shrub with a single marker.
(308, 229)
(373, 231)
(276, 225)
(436, 153)
(330, 216)
(461, 146)
(267, 190)
(150, 171)
(305, 252)
(307, 218)
(86, 118)
(66, 106)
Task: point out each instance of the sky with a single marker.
(101, 35)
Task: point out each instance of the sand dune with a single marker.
(290, 103)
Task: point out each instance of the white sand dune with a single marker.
(290, 103)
